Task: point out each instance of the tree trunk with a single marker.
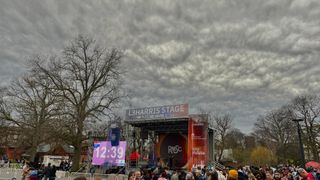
(220, 153)
(33, 149)
(76, 156)
(314, 150)
(33, 152)
(77, 147)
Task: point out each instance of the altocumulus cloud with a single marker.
(243, 57)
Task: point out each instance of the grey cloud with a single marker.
(245, 57)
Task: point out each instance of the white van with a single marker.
(54, 160)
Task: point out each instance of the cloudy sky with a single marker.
(244, 57)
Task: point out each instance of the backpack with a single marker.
(314, 175)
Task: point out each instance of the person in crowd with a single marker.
(269, 175)
(189, 176)
(241, 173)
(277, 175)
(163, 176)
(261, 175)
(182, 175)
(41, 171)
(251, 176)
(168, 172)
(221, 176)
(175, 175)
(53, 171)
(61, 166)
(214, 176)
(198, 175)
(285, 172)
(232, 175)
(25, 170)
(305, 175)
(147, 174)
(46, 171)
(131, 175)
(318, 174)
(137, 175)
(170, 161)
(33, 175)
(290, 176)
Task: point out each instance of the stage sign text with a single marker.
(170, 111)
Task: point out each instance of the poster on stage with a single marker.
(198, 141)
(172, 149)
(106, 154)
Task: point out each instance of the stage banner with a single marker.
(160, 112)
(106, 154)
(198, 141)
(172, 149)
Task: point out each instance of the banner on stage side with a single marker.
(197, 141)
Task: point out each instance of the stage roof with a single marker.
(162, 125)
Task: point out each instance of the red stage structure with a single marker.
(183, 140)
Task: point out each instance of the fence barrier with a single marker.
(13, 173)
(10, 173)
(97, 176)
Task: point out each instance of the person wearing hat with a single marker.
(233, 174)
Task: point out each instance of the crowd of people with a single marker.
(241, 173)
(32, 171)
(281, 172)
(43, 172)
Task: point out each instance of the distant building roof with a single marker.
(43, 148)
(68, 148)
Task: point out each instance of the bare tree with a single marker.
(4, 129)
(222, 124)
(87, 77)
(275, 131)
(234, 139)
(27, 109)
(307, 107)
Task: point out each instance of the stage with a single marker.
(180, 140)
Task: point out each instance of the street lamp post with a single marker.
(300, 142)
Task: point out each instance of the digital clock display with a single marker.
(104, 153)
